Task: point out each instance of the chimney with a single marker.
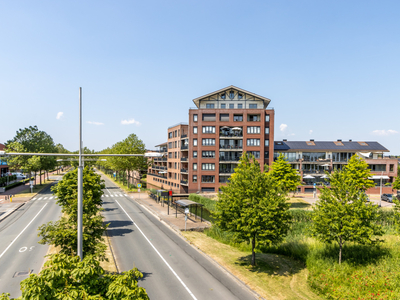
(350, 140)
(285, 140)
(311, 140)
(339, 140)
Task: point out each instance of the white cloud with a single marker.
(131, 121)
(283, 127)
(310, 131)
(95, 123)
(384, 132)
(59, 115)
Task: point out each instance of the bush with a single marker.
(208, 203)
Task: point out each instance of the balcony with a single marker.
(226, 171)
(156, 175)
(184, 159)
(184, 147)
(231, 147)
(227, 135)
(229, 159)
(184, 182)
(160, 159)
(183, 170)
(184, 136)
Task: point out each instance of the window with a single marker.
(231, 105)
(195, 129)
(179, 132)
(194, 118)
(208, 129)
(266, 154)
(252, 105)
(175, 166)
(266, 130)
(176, 144)
(253, 142)
(266, 118)
(253, 118)
(266, 143)
(208, 154)
(170, 135)
(208, 166)
(195, 166)
(194, 142)
(223, 105)
(194, 178)
(210, 105)
(240, 105)
(169, 154)
(238, 118)
(223, 96)
(253, 129)
(175, 133)
(208, 178)
(208, 142)
(391, 168)
(224, 117)
(231, 94)
(170, 145)
(209, 117)
(255, 153)
(207, 189)
(176, 155)
(175, 175)
(240, 96)
(194, 153)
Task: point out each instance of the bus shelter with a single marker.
(185, 203)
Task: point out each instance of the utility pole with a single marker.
(80, 182)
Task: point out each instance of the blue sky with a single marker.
(330, 68)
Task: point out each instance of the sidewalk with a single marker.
(7, 209)
(174, 220)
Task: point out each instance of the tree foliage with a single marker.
(67, 278)
(253, 205)
(63, 232)
(357, 173)
(282, 172)
(342, 214)
(396, 183)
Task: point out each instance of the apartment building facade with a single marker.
(313, 159)
(3, 163)
(203, 153)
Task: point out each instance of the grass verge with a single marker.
(274, 277)
(37, 189)
(299, 203)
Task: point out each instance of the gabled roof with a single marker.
(329, 146)
(232, 87)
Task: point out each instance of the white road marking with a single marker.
(51, 198)
(159, 254)
(106, 195)
(126, 195)
(40, 198)
(22, 230)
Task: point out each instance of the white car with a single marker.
(19, 175)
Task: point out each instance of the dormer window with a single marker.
(240, 96)
(231, 94)
(223, 96)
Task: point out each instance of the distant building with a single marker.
(3, 164)
(313, 159)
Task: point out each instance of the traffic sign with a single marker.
(139, 185)
(186, 210)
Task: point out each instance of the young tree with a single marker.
(342, 214)
(253, 205)
(357, 173)
(282, 172)
(63, 232)
(66, 277)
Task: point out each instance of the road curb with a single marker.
(178, 231)
(10, 212)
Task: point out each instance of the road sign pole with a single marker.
(80, 183)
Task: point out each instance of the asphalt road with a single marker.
(172, 268)
(19, 248)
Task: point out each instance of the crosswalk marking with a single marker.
(126, 195)
(40, 198)
(51, 198)
(106, 195)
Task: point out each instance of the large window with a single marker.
(195, 130)
(194, 118)
(377, 167)
(210, 105)
(208, 142)
(208, 178)
(231, 105)
(224, 117)
(223, 105)
(255, 153)
(240, 105)
(194, 178)
(208, 129)
(208, 166)
(266, 118)
(253, 129)
(253, 142)
(194, 142)
(253, 118)
(289, 156)
(266, 130)
(238, 118)
(195, 166)
(208, 154)
(266, 143)
(313, 156)
(252, 105)
(170, 135)
(209, 117)
(194, 153)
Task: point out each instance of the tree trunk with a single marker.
(40, 174)
(253, 254)
(35, 177)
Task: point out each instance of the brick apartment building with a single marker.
(202, 154)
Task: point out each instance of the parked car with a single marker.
(389, 197)
(19, 175)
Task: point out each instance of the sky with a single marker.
(330, 68)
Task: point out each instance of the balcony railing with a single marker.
(227, 134)
(226, 171)
(160, 159)
(184, 170)
(184, 158)
(184, 182)
(230, 147)
(222, 158)
(183, 136)
(184, 147)
(156, 175)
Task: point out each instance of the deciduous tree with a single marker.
(282, 172)
(253, 205)
(357, 173)
(343, 214)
